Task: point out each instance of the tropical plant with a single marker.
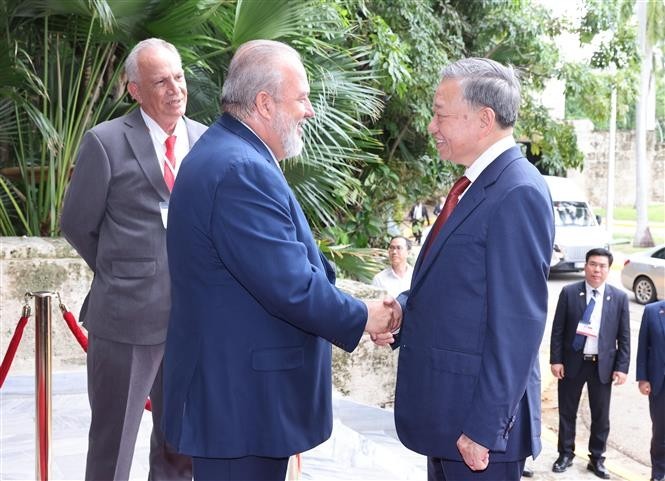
(71, 80)
(62, 87)
(411, 42)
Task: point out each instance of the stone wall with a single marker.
(593, 177)
(40, 264)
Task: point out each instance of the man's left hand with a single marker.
(475, 456)
(618, 377)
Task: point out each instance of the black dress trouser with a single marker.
(569, 393)
(657, 411)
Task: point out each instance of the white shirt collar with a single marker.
(257, 136)
(486, 158)
(407, 273)
(589, 289)
(180, 130)
(158, 137)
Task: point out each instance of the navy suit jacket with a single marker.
(247, 366)
(613, 337)
(651, 347)
(474, 319)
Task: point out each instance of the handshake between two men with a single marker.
(384, 318)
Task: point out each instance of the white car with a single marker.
(644, 274)
(577, 230)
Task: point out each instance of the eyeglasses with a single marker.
(595, 265)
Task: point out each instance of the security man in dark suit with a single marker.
(651, 380)
(590, 344)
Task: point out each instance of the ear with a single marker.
(265, 105)
(487, 119)
(134, 91)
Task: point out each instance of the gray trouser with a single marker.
(120, 378)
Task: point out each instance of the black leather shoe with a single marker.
(563, 462)
(598, 468)
(527, 473)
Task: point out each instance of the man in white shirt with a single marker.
(418, 215)
(396, 278)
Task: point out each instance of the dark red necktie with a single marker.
(169, 176)
(451, 201)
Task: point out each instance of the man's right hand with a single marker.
(383, 316)
(557, 370)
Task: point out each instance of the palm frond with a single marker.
(269, 19)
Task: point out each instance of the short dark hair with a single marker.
(407, 241)
(600, 251)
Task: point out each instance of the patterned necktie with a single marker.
(578, 342)
(451, 201)
(169, 176)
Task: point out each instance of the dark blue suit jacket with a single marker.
(247, 367)
(474, 319)
(651, 347)
(613, 337)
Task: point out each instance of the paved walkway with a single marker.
(364, 445)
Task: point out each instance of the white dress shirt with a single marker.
(390, 282)
(158, 137)
(591, 344)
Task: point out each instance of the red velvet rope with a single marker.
(18, 334)
(76, 330)
(13, 345)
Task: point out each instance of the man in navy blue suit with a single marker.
(468, 381)
(651, 380)
(590, 344)
(247, 368)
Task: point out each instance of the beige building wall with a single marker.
(593, 177)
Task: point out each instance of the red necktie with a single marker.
(451, 201)
(169, 177)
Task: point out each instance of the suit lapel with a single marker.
(608, 307)
(660, 320)
(471, 199)
(581, 301)
(138, 137)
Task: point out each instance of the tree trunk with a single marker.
(642, 233)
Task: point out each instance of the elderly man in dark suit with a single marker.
(112, 216)
(468, 382)
(590, 344)
(247, 367)
(651, 380)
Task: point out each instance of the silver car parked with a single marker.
(644, 274)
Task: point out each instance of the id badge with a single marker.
(164, 210)
(586, 329)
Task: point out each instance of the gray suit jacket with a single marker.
(613, 338)
(111, 216)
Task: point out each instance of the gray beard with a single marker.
(292, 144)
